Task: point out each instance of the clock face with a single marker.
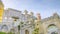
(52, 29)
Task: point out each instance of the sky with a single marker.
(45, 7)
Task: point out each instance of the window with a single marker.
(18, 27)
(4, 27)
(26, 32)
(5, 17)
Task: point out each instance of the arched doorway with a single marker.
(54, 33)
(4, 27)
(52, 29)
(26, 32)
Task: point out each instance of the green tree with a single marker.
(36, 31)
(2, 32)
(10, 33)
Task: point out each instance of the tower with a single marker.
(1, 10)
(38, 24)
(38, 17)
(38, 21)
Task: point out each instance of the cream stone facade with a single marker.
(28, 22)
(53, 22)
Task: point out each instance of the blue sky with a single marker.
(45, 7)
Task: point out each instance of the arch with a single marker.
(52, 29)
(26, 32)
(4, 27)
(51, 25)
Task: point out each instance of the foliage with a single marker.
(10, 33)
(2, 32)
(18, 27)
(36, 31)
(21, 22)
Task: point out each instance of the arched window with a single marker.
(26, 32)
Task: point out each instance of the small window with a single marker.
(26, 32)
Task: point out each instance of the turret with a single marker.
(31, 13)
(55, 14)
(25, 12)
(37, 25)
(38, 17)
(1, 10)
(31, 17)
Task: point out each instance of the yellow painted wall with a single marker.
(1, 14)
(1, 11)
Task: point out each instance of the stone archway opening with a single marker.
(52, 29)
(4, 28)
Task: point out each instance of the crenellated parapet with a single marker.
(52, 20)
(15, 20)
(54, 16)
